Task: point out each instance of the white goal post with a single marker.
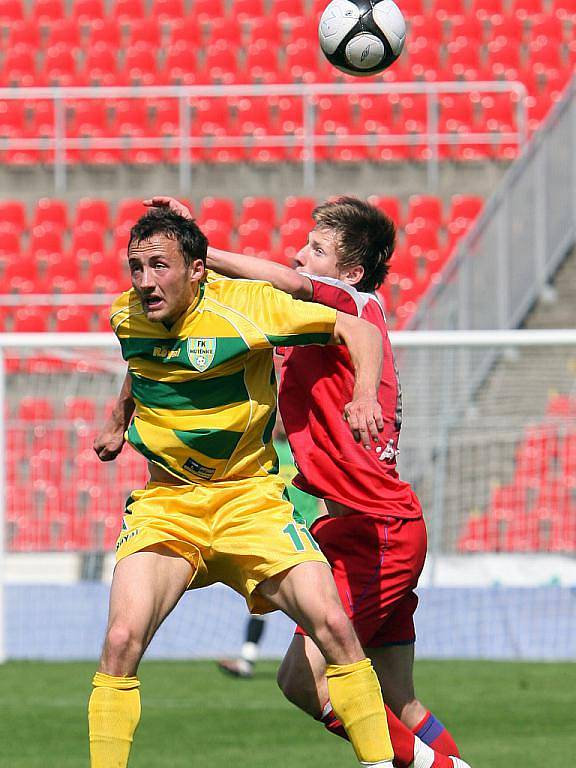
(488, 441)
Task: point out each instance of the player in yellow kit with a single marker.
(199, 403)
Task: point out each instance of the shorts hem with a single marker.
(191, 555)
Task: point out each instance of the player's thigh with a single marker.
(394, 665)
(302, 675)
(306, 592)
(145, 587)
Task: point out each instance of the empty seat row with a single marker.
(98, 215)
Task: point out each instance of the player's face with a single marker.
(165, 285)
(319, 256)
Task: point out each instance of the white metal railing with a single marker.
(305, 138)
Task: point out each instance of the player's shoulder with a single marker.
(346, 298)
(234, 291)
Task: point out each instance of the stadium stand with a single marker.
(161, 43)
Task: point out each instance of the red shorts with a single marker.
(376, 562)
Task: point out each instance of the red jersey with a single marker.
(317, 382)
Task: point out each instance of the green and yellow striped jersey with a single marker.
(205, 388)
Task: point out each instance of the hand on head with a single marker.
(162, 201)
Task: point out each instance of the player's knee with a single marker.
(122, 646)
(336, 629)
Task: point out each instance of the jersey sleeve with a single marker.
(288, 322)
(334, 293)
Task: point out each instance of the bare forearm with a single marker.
(364, 345)
(253, 268)
(124, 406)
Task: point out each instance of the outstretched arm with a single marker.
(364, 343)
(110, 441)
(239, 265)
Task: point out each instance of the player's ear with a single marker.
(197, 270)
(352, 275)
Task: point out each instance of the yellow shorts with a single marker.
(237, 532)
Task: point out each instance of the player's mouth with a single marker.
(152, 302)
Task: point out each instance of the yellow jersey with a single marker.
(205, 387)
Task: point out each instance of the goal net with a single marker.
(488, 441)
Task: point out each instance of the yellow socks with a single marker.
(113, 714)
(356, 699)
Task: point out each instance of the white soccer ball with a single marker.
(360, 37)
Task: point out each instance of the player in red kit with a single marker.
(374, 534)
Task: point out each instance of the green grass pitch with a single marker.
(504, 715)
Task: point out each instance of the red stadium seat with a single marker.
(168, 10)
(29, 320)
(260, 209)
(298, 209)
(73, 320)
(526, 8)
(25, 32)
(101, 65)
(302, 64)
(217, 232)
(51, 212)
(375, 113)
(333, 113)
(266, 31)
(127, 10)
(222, 34)
(255, 241)
(564, 10)
(483, 9)
(12, 213)
(93, 212)
(64, 32)
(547, 28)
(85, 12)
(88, 244)
(244, 10)
(35, 409)
(293, 237)
(543, 55)
(19, 67)
(391, 206)
(185, 32)
(59, 67)
(128, 212)
(180, 64)
(140, 66)
(218, 208)
(464, 61)
(220, 66)
(143, 32)
(464, 29)
(505, 28)
(465, 207)
(504, 60)
(80, 409)
(106, 32)
(445, 9)
(11, 11)
(480, 534)
(561, 405)
(44, 11)
(457, 107)
(261, 64)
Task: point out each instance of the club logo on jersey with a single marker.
(201, 353)
(389, 453)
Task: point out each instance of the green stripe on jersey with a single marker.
(299, 339)
(200, 394)
(214, 443)
(136, 441)
(176, 350)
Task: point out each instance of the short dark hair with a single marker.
(364, 236)
(192, 241)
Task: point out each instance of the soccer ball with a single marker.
(362, 37)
